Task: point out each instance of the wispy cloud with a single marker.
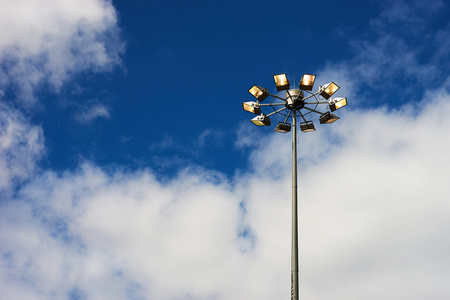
(92, 111)
(209, 137)
(125, 139)
(171, 153)
(398, 53)
(21, 145)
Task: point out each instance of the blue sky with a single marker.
(128, 169)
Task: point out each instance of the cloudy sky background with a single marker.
(117, 181)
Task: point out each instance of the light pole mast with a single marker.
(294, 241)
(292, 102)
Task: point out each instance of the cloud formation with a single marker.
(398, 54)
(92, 111)
(21, 146)
(373, 208)
(48, 42)
(372, 212)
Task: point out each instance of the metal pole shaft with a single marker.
(294, 249)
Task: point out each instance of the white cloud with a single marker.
(125, 139)
(48, 41)
(181, 152)
(21, 145)
(208, 137)
(382, 209)
(92, 111)
(400, 55)
(373, 215)
(410, 15)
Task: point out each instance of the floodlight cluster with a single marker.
(294, 100)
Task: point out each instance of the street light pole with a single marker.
(294, 246)
(293, 102)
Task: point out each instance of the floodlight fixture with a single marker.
(252, 107)
(328, 90)
(258, 92)
(307, 126)
(306, 83)
(261, 120)
(281, 82)
(328, 118)
(283, 127)
(337, 103)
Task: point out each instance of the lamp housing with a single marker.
(281, 82)
(261, 120)
(328, 118)
(258, 92)
(306, 83)
(294, 99)
(337, 103)
(307, 126)
(252, 107)
(283, 127)
(328, 90)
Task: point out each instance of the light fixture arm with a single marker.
(318, 102)
(277, 111)
(272, 104)
(304, 120)
(278, 97)
(312, 95)
(287, 117)
(320, 113)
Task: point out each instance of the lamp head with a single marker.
(307, 126)
(283, 127)
(258, 92)
(306, 83)
(281, 82)
(252, 107)
(337, 103)
(328, 118)
(328, 90)
(261, 120)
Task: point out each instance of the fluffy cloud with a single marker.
(47, 42)
(372, 221)
(378, 227)
(149, 233)
(372, 191)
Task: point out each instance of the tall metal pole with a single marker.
(294, 249)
